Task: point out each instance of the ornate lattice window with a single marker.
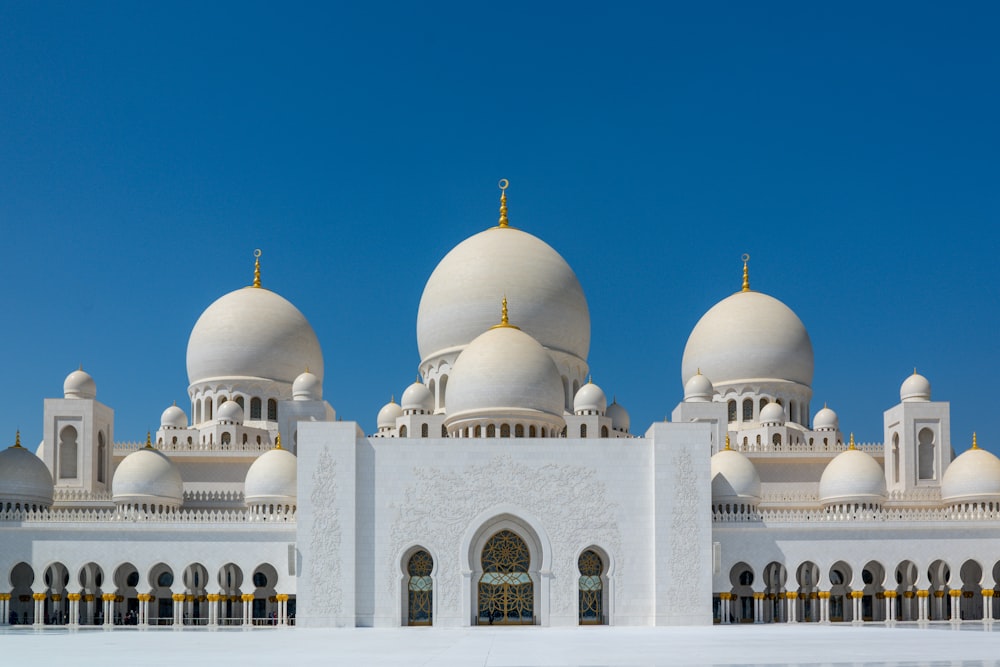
(591, 588)
(506, 592)
(420, 589)
(732, 411)
(748, 410)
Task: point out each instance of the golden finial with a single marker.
(17, 438)
(974, 445)
(746, 273)
(256, 268)
(503, 201)
(851, 445)
(149, 441)
(277, 441)
(307, 368)
(504, 318)
(590, 380)
(727, 440)
(699, 371)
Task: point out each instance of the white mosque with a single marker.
(502, 488)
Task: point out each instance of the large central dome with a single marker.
(460, 299)
(252, 333)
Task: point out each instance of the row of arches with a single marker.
(204, 408)
(194, 596)
(871, 593)
(507, 430)
(67, 456)
(748, 411)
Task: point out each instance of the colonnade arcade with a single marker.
(874, 592)
(122, 595)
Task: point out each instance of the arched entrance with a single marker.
(591, 567)
(420, 589)
(506, 591)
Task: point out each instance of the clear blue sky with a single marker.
(853, 149)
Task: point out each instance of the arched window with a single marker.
(272, 410)
(197, 412)
(102, 458)
(532, 432)
(925, 454)
(208, 409)
(519, 430)
(583, 430)
(420, 589)
(732, 411)
(424, 431)
(895, 458)
(478, 432)
(506, 592)
(776, 440)
(254, 408)
(763, 402)
(591, 588)
(748, 410)
(402, 431)
(491, 431)
(504, 430)
(67, 453)
(226, 438)
(444, 431)
(442, 388)
(239, 402)
(604, 431)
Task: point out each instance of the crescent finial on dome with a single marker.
(746, 273)
(727, 441)
(503, 202)
(974, 445)
(149, 441)
(504, 318)
(277, 441)
(17, 438)
(256, 268)
(851, 445)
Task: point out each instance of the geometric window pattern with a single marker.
(421, 588)
(591, 588)
(506, 592)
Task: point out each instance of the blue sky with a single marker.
(850, 148)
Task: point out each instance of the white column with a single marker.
(4, 605)
(890, 606)
(922, 598)
(39, 609)
(987, 605)
(213, 610)
(824, 606)
(791, 598)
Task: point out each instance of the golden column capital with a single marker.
(939, 594)
(283, 597)
(987, 592)
(38, 596)
(824, 595)
(108, 597)
(923, 593)
(857, 595)
(792, 595)
(247, 597)
(56, 597)
(890, 594)
(178, 597)
(955, 594)
(4, 597)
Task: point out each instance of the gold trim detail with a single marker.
(746, 273)
(256, 268)
(503, 184)
(504, 318)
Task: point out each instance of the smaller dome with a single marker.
(272, 478)
(388, 414)
(79, 384)
(826, 420)
(147, 476)
(620, 421)
(734, 477)
(24, 478)
(230, 411)
(852, 476)
(973, 477)
(173, 417)
(915, 388)
(698, 388)
(307, 387)
(590, 399)
(772, 413)
(417, 399)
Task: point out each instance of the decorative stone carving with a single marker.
(324, 547)
(685, 541)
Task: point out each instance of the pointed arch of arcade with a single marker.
(529, 530)
(418, 569)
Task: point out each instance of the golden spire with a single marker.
(256, 268)
(974, 445)
(727, 440)
(746, 273)
(852, 442)
(504, 319)
(503, 201)
(277, 441)
(17, 438)
(392, 398)
(590, 380)
(149, 441)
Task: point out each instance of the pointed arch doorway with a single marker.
(506, 590)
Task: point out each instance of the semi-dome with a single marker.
(504, 372)
(307, 387)
(417, 399)
(272, 479)
(852, 476)
(24, 479)
(590, 399)
(620, 419)
(772, 413)
(749, 336)
(230, 411)
(459, 300)
(252, 333)
(173, 417)
(826, 420)
(79, 384)
(734, 478)
(147, 477)
(698, 388)
(973, 477)
(388, 414)
(915, 388)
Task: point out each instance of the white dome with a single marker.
(620, 420)
(79, 384)
(230, 411)
(417, 398)
(826, 420)
(974, 476)
(307, 387)
(461, 296)
(388, 414)
(590, 399)
(698, 389)
(915, 388)
(734, 477)
(272, 478)
(852, 476)
(772, 413)
(749, 336)
(24, 478)
(173, 417)
(252, 333)
(501, 372)
(147, 476)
